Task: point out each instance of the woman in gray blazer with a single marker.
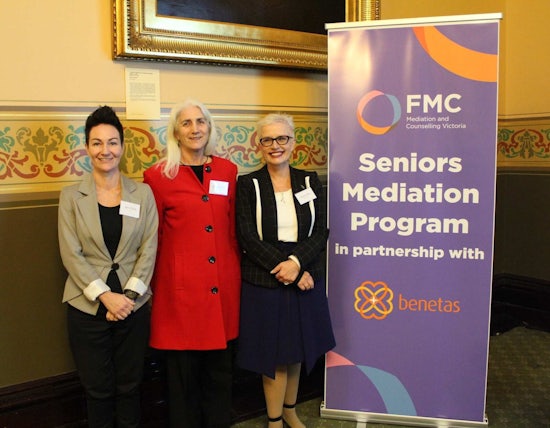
(107, 230)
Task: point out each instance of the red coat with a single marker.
(197, 280)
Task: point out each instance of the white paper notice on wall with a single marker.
(142, 94)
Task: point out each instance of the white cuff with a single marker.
(95, 289)
(295, 260)
(137, 285)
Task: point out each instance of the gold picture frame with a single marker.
(139, 33)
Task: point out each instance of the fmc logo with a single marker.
(373, 300)
(369, 127)
(419, 104)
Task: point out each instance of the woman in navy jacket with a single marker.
(281, 226)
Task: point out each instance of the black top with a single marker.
(111, 225)
(198, 170)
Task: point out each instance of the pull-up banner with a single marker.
(411, 179)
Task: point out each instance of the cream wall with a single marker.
(58, 52)
(59, 68)
(527, 60)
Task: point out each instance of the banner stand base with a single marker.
(363, 418)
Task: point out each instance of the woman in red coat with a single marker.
(196, 284)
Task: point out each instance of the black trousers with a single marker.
(109, 358)
(199, 387)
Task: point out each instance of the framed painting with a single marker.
(165, 30)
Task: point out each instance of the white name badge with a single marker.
(219, 187)
(305, 196)
(129, 209)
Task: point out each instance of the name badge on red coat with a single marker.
(219, 187)
(129, 208)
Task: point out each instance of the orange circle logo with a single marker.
(369, 127)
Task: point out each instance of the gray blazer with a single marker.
(83, 250)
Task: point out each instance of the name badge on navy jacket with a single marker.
(129, 209)
(305, 196)
(219, 187)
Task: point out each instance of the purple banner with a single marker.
(412, 167)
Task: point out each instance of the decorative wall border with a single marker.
(524, 144)
(42, 152)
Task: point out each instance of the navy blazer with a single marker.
(262, 254)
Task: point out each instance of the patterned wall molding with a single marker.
(524, 144)
(41, 152)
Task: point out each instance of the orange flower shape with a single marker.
(373, 300)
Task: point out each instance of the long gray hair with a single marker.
(170, 162)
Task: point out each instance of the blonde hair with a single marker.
(170, 162)
(275, 118)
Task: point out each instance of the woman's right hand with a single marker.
(306, 282)
(118, 305)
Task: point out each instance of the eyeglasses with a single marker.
(281, 140)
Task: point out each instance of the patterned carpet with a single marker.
(518, 391)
